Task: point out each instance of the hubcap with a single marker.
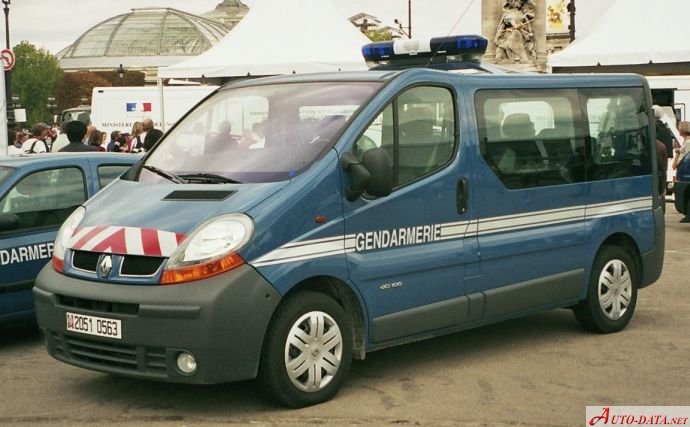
(615, 289)
(313, 351)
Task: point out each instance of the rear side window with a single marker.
(45, 198)
(107, 173)
(543, 137)
(618, 127)
(417, 130)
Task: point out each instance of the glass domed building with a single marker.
(142, 40)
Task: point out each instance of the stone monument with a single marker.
(516, 30)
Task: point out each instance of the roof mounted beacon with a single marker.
(452, 52)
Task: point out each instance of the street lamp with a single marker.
(121, 74)
(8, 75)
(408, 33)
(6, 9)
(51, 106)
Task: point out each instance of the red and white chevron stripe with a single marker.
(126, 240)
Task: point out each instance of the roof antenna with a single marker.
(457, 21)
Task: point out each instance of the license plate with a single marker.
(91, 325)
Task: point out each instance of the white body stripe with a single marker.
(339, 245)
(78, 236)
(98, 238)
(303, 251)
(133, 241)
(131, 238)
(167, 242)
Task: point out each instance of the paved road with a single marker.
(539, 371)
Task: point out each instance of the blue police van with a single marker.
(315, 218)
(37, 193)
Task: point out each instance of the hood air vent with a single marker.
(204, 195)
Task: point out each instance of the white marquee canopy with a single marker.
(280, 37)
(633, 32)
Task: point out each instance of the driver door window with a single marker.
(45, 198)
(417, 130)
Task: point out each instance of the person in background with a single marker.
(90, 129)
(123, 141)
(146, 127)
(136, 142)
(681, 151)
(76, 131)
(96, 140)
(114, 144)
(61, 140)
(36, 144)
(663, 133)
(104, 141)
(152, 136)
(14, 148)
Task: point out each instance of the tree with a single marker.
(35, 77)
(378, 35)
(77, 86)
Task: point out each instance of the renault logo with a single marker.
(105, 266)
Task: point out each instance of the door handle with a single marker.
(462, 195)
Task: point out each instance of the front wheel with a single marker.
(308, 351)
(612, 292)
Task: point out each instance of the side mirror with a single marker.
(360, 176)
(374, 174)
(8, 221)
(379, 165)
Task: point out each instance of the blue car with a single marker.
(37, 193)
(682, 187)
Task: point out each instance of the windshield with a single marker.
(256, 134)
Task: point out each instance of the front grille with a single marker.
(133, 265)
(111, 355)
(98, 306)
(87, 261)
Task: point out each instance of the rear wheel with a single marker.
(308, 351)
(612, 292)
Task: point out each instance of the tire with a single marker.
(612, 293)
(307, 352)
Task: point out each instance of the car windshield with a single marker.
(256, 134)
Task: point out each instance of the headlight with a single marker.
(210, 250)
(64, 234)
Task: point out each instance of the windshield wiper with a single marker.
(167, 175)
(208, 178)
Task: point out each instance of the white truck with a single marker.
(118, 108)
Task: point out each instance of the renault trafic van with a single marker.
(361, 210)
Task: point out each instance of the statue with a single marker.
(514, 36)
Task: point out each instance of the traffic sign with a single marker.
(7, 59)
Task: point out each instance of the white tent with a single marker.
(632, 32)
(280, 37)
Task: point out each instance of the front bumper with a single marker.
(221, 320)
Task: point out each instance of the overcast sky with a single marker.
(55, 24)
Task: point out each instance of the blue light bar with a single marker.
(437, 50)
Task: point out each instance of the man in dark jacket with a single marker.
(152, 136)
(76, 131)
(663, 133)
